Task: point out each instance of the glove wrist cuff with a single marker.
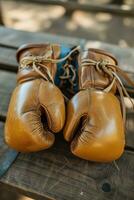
(94, 65)
(35, 61)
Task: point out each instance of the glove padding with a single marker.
(37, 108)
(96, 118)
(94, 122)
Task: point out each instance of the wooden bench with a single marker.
(55, 173)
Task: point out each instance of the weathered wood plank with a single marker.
(15, 38)
(17, 192)
(8, 59)
(130, 130)
(57, 174)
(12, 38)
(7, 84)
(5, 193)
(7, 155)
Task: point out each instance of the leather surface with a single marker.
(94, 124)
(89, 76)
(37, 108)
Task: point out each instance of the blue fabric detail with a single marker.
(64, 51)
(75, 63)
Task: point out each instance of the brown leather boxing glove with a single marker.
(95, 116)
(36, 109)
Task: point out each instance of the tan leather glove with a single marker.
(95, 125)
(36, 109)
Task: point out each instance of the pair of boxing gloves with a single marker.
(93, 121)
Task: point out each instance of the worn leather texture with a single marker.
(94, 124)
(89, 76)
(37, 108)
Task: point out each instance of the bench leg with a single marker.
(70, 11)
(1, 19)
(118, 2)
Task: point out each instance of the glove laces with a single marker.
(113, 71)
(69, 74)
(38, 63)
(70, 71)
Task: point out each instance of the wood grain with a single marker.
(7, 84)
(12, 38)
(8, 59)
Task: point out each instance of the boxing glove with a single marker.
(94, 124)
(36, 109)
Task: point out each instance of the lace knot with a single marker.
(102, 63)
